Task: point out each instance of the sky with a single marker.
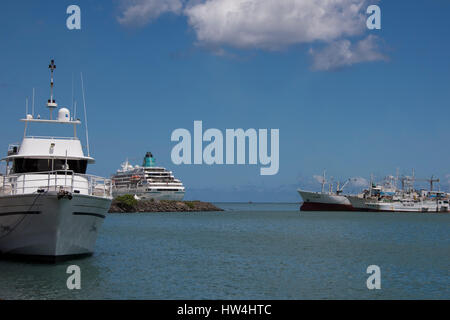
(346, 99)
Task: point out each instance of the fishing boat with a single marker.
(325, 200)
(388, 198)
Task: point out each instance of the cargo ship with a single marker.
(325, 200)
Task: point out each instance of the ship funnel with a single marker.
(149, 161)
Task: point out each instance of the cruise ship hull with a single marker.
(41, 226)
(147, 195)
(315, 201)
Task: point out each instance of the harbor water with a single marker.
(250, 251)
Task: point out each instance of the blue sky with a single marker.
(152, 66)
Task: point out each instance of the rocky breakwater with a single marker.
(128, 204)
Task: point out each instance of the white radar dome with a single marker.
(63, 114)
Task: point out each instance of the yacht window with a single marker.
(24, 165)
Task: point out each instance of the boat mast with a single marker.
(85, 115)
(51, 103)
(323, 181)
(26, 114)
(371, 184)
(32, 105)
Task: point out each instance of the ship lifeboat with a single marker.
(135, 178)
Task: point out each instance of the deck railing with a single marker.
(58, 180)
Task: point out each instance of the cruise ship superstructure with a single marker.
(147, 181)
(49, 207)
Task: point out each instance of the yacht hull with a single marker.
(315, 201)
(48, 227)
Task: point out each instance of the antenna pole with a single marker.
(51, 103)
(72, 93)
(26, 115)
(32, 106)
(52, 67)
(85, 115)
(323, 182)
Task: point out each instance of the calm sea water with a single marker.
(251, 251)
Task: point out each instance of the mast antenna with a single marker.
(51, 102)
(72, 93)
(32, 106)
(323, 181)
(85, 114)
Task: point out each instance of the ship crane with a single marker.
(340, 189)
(430, 181)
(409, 181)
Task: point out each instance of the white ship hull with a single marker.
(43, 226)
(362, 204)
(147, 195)
(317, 201)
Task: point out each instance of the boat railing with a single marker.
(52, 138)
(57, 180)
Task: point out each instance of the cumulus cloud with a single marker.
(446, 180)
(359, 182)
(342, 53)
(270, 25)
(319, 178)
(141, 12)
(274, 24)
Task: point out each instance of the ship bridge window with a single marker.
(25, 165)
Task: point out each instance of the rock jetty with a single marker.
(128, 204)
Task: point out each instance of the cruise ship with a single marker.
(50, 209)
(147, 181)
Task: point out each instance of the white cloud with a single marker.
(318, 178)
(141, 12)
(274, 24)
(270, 25)
(447, 177)
(343, 53)
(359, 182)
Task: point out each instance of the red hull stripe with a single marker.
(314, 206)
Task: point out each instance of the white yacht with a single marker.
(50, 208)
(147, 181)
